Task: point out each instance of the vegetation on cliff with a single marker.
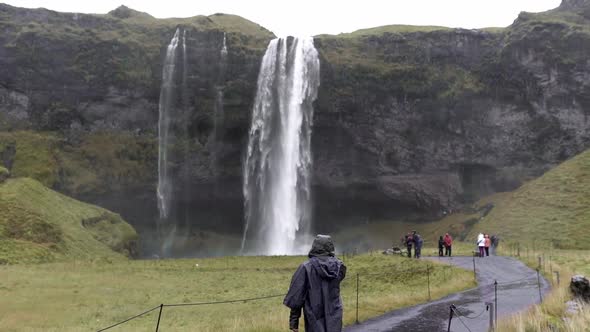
(38, 224)
(4, 174)
(94, 163)
(123, 48)
(447, 64)
(31, 154)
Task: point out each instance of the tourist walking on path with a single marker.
(417, 239)
(481, 243)
(315, 287)
(441, 244)
(494, 245)
(409, 241)
(448, 241)
(488, 242)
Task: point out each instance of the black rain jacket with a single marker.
(315, 287)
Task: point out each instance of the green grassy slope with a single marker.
(38, 224)
(553, 209)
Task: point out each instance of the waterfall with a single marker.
(224, 48)
(219, 115)
(164, 190)
(278, 161)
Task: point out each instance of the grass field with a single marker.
(85, 296)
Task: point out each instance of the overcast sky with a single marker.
(313, 17)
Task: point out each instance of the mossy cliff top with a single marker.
(122, 23)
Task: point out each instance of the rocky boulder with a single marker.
(580, 287)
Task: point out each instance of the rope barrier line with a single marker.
(128, 319)
(412, 270)
(459, 316)
(473, 317)
(189, 304)
(515, 281)
(221, 302)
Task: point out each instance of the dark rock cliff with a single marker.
(410, 121)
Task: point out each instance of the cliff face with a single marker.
(94, 81)
(417, 120)
(410, 121)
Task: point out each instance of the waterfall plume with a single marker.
(164, 190)
(278, 162)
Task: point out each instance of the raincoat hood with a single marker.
(322, 246)
(327, 267)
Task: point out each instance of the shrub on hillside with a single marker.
(4, 174)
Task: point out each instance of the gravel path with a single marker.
(517, 290)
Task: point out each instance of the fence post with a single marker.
(357, 298)
(159, 316)
(428, 276)
(496, 301)
(474, 275)
(450, 318)
(518, 250)
(540, 264)
(539, 284)
(557, 275)
(490, 307)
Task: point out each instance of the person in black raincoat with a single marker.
(315, 287)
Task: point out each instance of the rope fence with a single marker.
(359, 280)
(162, 306)
(492, 307)
(350, 281)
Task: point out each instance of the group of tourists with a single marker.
(485, 242)
(413, 239)
(446, 243)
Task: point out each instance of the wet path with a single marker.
(517, 290)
